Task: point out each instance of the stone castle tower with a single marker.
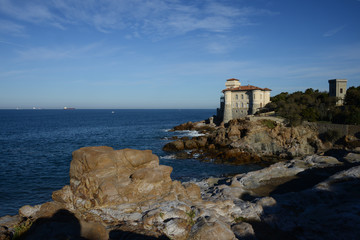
(239, 101)
(337, 88)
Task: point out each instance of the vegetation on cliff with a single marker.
(313, 105)
(350, 112)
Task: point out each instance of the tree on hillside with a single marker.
(352, 97)
(311, 105)
(350, 112)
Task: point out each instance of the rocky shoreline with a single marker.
(261, 140)
(126, 194)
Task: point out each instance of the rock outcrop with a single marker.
(243, 141)
(126, 194)
(100, 177)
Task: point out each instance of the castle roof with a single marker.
(246, 88)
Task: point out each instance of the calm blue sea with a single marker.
(36, 147)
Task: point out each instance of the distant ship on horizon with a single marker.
(69, 108)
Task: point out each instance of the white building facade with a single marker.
(239, 101)
(337, 88)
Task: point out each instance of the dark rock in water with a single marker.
(177, 145)
(190, 144)
(184, 126)
(201, 141)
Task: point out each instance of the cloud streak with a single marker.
(161, 18)
(12, 28)
(45, 53)
(333, 31)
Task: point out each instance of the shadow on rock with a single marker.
(328, 210)
(62, 225)
(307, 179)
(264, 231)
(125, 235)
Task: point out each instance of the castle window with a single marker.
(237, 97)
(341, 90)
(242, 96)
(237, 105)
(242, 105)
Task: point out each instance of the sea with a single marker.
(36, 147)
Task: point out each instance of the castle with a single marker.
(239, 101)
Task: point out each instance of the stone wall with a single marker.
(342, 129)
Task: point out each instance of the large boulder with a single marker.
(101, 176)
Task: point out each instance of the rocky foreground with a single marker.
(126, 194)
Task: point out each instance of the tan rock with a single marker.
(243, 230)
(211, 229)
(193, 191)
(177, 228)
(29, 211)
(93, 231)
(48, 209)
(101, 176)
(233, 132)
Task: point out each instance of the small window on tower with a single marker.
(341, 90)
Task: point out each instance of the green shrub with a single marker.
(21, 229)
(191, 216)
(269, 123)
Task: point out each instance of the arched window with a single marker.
(242, 96)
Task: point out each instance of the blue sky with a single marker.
(170, 54)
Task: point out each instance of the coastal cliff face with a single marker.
(126, 194)
(244, 141)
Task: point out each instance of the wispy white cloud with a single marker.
(156, 17)
(42, 53)
(333, 31)
(30, 12)
(11, 28)
(53, 53)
